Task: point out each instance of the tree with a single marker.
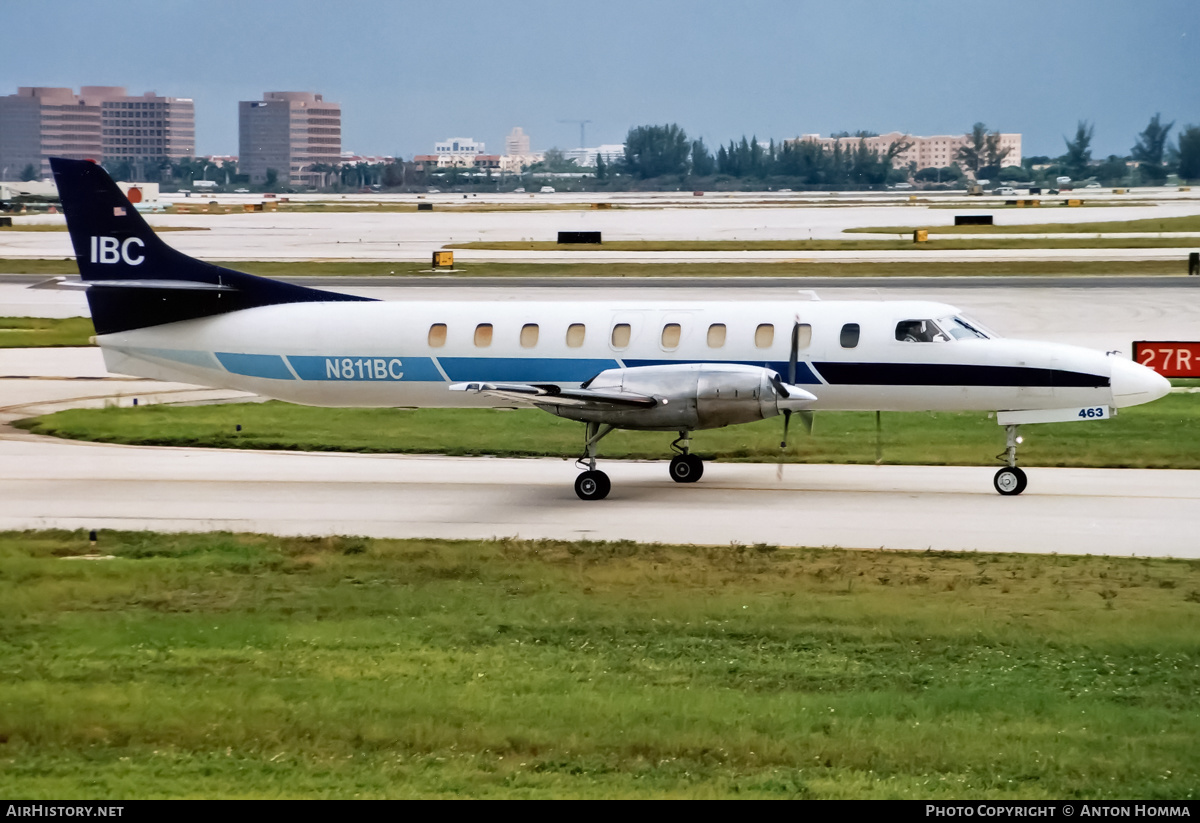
(654, 151)
(28, 173)
(1112, 171)
(702, 159)
(1149, 149)
(982, 153)
(393, 174)
(1079, 151)
(601, 167)
(272, 178)
(1189, 153)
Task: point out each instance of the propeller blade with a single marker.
(795, 352)
(806, 419)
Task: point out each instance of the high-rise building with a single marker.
(144, 130)
(517, 142)
(38, 123)
(291, 132)
(99, 123)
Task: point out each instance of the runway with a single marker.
(48, 484)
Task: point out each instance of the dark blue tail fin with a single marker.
(134, 278)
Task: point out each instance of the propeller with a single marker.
(806, 417)
(787, 413)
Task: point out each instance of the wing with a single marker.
(553, 394)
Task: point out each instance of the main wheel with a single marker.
(592, 485)
(1010, 480)
(686, 468)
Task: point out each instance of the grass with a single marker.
(800, 246)
(1188, 223)
(22, 332)
(790, 268)
(228, 665)
(1163, 434)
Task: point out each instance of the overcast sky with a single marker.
(410, 73)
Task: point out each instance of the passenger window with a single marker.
(437, 335)
(483, 335)
(575, 334)
(764, 336)
(620, 335)
(529, 335)
(850, 335)
(716, 335)
(670, 335)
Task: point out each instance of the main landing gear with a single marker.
(685, 466)
(1010, 480)
(593, 484)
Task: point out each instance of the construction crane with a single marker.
(582, 123)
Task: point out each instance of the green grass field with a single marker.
(1163, 434)
(246, 666)
(1187, 223)
(27, 332)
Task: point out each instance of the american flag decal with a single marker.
(118, 211)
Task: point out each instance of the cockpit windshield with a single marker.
(942, 330)
(961, 329)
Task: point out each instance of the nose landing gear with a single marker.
(1010, 480)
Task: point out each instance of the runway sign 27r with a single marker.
(1169, 359)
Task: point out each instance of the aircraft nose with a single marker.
(1134, 384)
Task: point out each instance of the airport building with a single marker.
(933, 152)
(291, 132)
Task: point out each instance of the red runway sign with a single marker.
(1169, 359)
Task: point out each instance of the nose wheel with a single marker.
(1010, 480)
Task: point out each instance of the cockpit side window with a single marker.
(920, 331)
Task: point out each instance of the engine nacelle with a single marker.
(691, 396)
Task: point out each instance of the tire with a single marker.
(592, 485)
(1010, 481)
(686, 468)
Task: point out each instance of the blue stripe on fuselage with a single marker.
(255, 365)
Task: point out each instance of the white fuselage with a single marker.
(406, 354)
